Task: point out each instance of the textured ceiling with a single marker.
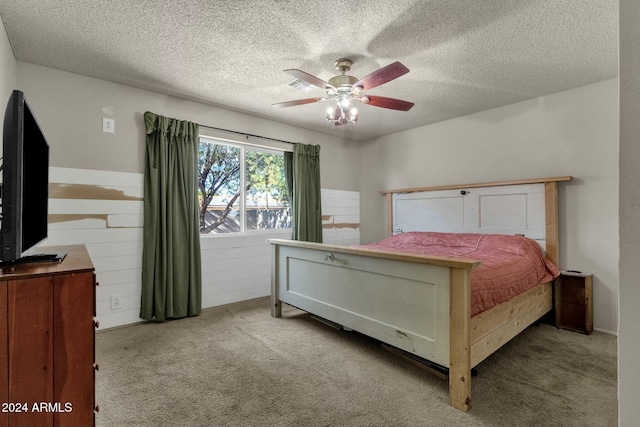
(464, 56)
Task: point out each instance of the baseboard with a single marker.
(606, 331)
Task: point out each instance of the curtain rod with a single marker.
(246, 134)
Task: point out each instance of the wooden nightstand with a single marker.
(573, 301)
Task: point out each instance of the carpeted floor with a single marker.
(235, 365)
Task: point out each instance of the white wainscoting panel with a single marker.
(340, 217)
(104, 211)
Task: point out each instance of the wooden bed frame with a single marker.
(419, 304)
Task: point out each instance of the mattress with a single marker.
(509, 266)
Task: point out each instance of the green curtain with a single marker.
(288, 177)
(302, 170)
(171, 266)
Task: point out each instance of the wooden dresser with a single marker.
(47, 342)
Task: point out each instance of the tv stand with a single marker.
(47, 339)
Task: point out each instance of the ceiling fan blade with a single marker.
(297, 102)
(382, 76)
(298, 74)
(384, 102)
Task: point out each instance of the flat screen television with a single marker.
(25, 184)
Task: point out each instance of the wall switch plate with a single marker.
(108, 125)
(116, 302)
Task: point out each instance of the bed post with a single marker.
(389, 208)
(551, 220)
(460, 339)
(276, 305)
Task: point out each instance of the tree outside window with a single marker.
(241, 189)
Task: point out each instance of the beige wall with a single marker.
(7, 73)
(629, 335)
(568, 133)
(70, 109)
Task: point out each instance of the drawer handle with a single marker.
(330, 257)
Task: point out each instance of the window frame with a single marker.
(277, 149)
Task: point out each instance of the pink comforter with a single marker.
(510, 264)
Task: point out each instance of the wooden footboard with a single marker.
(420, 304)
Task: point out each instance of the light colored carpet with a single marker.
(235, 365)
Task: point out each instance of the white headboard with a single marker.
(527, 207)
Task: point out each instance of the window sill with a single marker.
(281, 233)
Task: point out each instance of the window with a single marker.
(241, 188)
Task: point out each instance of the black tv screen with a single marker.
(25, 180)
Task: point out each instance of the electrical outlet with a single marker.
(116, 303)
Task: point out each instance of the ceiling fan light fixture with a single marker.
(344, 101)
(343, 88)
(342, 115)
(353, 116)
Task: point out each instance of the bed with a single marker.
(420, 302)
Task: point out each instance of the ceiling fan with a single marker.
(345, 88)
